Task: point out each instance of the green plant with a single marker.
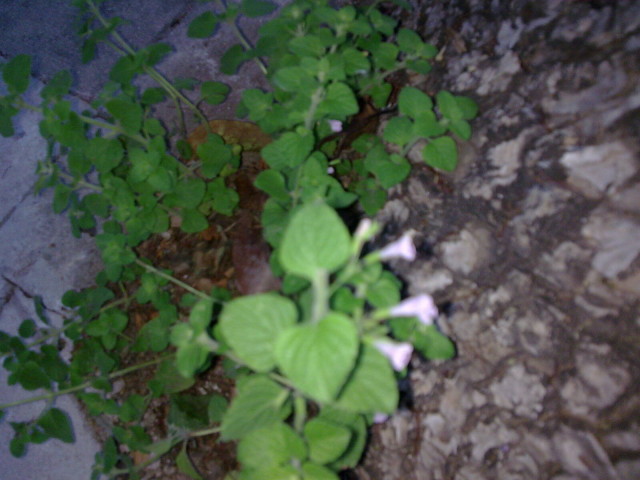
(314, 364)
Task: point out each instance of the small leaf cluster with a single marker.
(310, 376)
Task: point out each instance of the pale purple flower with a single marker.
(399, 354)
(401, 248)
(331, 170)
(380, 417)
(421, 306)
(335, 125)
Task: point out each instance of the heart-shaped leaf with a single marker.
(319, 357)
(251, 324)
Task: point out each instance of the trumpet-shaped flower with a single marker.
(421, 306)
(399, 354)
(401, 248)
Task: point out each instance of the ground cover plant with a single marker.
(313, 363)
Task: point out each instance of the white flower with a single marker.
(380, 417)
(399, 354)
(335, 125)
(421, 306)
(401, 248)
(364, 227)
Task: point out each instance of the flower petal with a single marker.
(421, 306)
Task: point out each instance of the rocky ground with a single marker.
(530, 247)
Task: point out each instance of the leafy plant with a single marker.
(314, 363)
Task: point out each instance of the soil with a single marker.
(530, 248)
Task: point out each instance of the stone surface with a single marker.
(536, 247)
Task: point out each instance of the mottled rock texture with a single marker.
(532, 245)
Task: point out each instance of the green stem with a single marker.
(151, 71)
(300, 412)
(243, 39)
(320, 296)
(87, 384)
(316, 98)
(205, 432)
(174, 280)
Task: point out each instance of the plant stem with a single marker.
(243, 39)
(320, 296)
(205, 432)
(151, 71)
(174, 280)
(87, 384)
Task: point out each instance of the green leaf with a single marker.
(272, 182)
(203, 25)
(290, 150)
(61, 197)
(224, 199)
(441, 153)
(272, 446)
(56, 424)
(189, 412)
(153, 95)
(200, 315)
(193, 221)
(385, 56)
(256, 8)
(27, 328)
(185, 465)
(426, 125)
(251, 325)
(327, 441)
(97, 204)
(58, 86)
(188, 194)
(232, 59)
(6, 124)
(191, 358)
(16, 73)
(260, 402)
(380, 94)
(388, 169)
(358, 428)
(125, 69)
(318, 357)
(339, 102)
(306, 46)
(461, 128)
(456, 107)
(355, 61)
(217, 407)
(372, 385)
(385, 292)
(153, 54)
(129, 114)
(31, 376)
(214, 93)
(434, 345)
(408, 40)
(413, 102)
(292, 79)
(399, 130)
(168, 379)
(215, 155)
(143, 164)
(313, 471)
(315, 240)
